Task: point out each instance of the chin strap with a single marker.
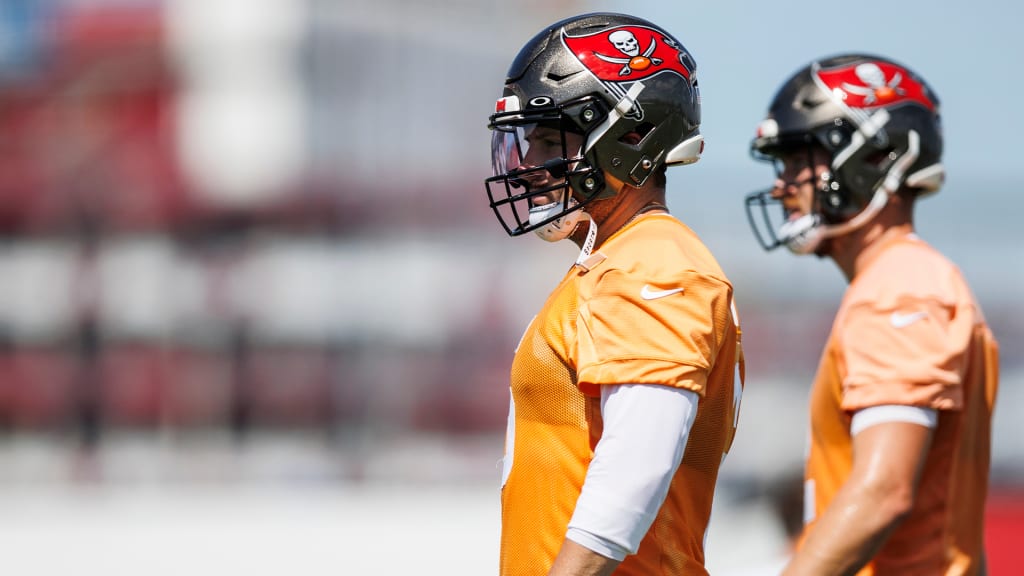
(586, 259)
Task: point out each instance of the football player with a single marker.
(901, 406)
(625, 387)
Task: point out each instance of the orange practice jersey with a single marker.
(909, 332)
(623, 321)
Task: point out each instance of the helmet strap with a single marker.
(622, 107)
(584, 259)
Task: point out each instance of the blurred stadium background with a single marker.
(256, 316)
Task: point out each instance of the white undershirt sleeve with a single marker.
(867, 417)
(645, 432)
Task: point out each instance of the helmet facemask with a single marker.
(547, 198)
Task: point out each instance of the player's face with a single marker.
(544, 144)
(797, 173)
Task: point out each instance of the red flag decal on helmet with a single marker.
(627, 53)
(507, 104)
(874, 84)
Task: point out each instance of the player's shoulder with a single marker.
(663, 244)
(911, 250)
(660, 255)
(910, 269)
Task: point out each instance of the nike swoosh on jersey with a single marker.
(648, 293)
(902, 320)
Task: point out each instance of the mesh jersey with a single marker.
(909, 332)
(621, 322)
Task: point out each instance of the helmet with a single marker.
(878, 121)
(624, 85)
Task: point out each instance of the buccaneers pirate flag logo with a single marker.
(627, 54)
(872, 84)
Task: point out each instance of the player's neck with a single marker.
(614, 213)
(857, 250)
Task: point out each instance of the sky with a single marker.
(967, 51)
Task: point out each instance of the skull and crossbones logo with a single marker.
(627, 43)
(875, 88)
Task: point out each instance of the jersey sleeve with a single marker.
(666, 331)
(912, 354)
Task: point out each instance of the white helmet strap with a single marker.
(622, 107)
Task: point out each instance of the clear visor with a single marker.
(509, 147)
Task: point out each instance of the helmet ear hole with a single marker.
(632, 138)
(635, 136)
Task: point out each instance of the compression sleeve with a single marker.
(645, 432)
(867, 417)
